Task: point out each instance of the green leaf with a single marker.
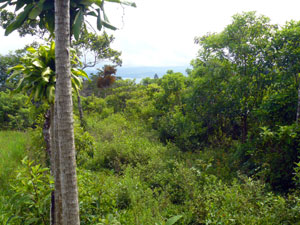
(104, 15)
(17, 67)
(46, 79)
(49, 22)
(37, 64)
(4, 6)
(9, 219)
(77, 24)
(32, 220)
(50, 93)
(79, 72)
(46, 71)
(19, 85)
(173, 220)
(92, 13)
(99, 22)
(31, 50)
(52, 49)
(20, 4)
(36, 11)
(109, 26)
(48, 5)
(15, 73)
(18, 22)
(77, 81)
(37, 93)
(98, 2)
(36, 77)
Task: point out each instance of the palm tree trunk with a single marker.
(46, 135)
(51, 158)
(70, 208)
(56, 198)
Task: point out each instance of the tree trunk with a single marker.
(56, 198)
(51, 161)
(70, 208)
(46, 135)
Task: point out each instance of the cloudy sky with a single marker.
(161, 32)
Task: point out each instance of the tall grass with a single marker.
(12, 150)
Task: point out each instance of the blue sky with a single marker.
(161, 32)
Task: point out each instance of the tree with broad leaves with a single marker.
(91, 47)
(39, 13)
(35, 75)
(242, 44)
(286, 55)
(68, 19)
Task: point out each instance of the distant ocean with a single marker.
(139, 73)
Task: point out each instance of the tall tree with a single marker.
(69, 19)
(286, 50)
(36, 76)
(7, 61)
(91, 47)
(94, 48)
(243, 44)
(64, 107)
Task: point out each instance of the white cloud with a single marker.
(161, 32)
(12, 42)
(168, 27)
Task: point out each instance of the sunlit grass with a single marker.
(12, 150)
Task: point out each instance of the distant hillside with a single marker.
(139, 73)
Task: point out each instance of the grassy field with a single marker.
(12, 150)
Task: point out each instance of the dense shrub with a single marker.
(246, 202)
(93, 104)
(126, 176)
(84, 144)
(30, 201)
(271, 156)
(122, 143)
(14, 112)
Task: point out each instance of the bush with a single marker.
(92, 104)
(245, 202)
(273, 154)
(84, 144)
(32, 192)
(122, 143)
(14, 113)
(123, 199)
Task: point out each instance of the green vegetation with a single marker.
(36, 73)
(219, 146)
(14, 113)
(127, 176)
(13, 150)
